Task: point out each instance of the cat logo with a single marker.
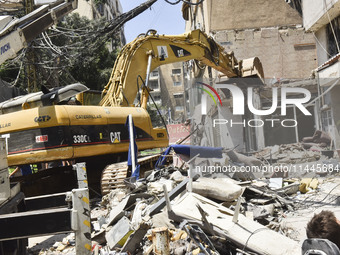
(179, 52)
(115, 137)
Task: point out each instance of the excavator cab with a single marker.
(89, 97)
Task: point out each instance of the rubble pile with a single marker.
(219, 216)
(288, 153)
(166, 212)
(318, 142)
(310, 149)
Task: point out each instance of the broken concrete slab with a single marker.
(134, 240)
(177, 176)
(264, 211)
(288, 189)
(245, 233)
(224, 190)
(118, 234)
(157, 187)
(162, 220)
(157, 207)
(117, 211)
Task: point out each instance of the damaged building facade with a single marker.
(322, 19)
(274, 33)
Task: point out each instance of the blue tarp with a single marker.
(191, 151)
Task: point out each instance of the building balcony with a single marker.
(153, 78)
(318, 13)
(329, 75)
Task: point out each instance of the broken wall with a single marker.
(230, 137)
(244, 14)
(322, 43)
(269, 30)
(335, 105)
(284, 53)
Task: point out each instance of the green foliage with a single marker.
(99, 2)
(9, 71)
(74, 51)
(91, 62)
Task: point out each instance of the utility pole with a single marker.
(30, 70)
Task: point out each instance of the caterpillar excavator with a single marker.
(40, 127)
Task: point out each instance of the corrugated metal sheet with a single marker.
(329, 62)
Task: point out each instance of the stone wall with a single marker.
(243, 14)
(284, 53)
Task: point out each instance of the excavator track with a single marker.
(113, 175)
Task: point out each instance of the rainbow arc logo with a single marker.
(205, 88)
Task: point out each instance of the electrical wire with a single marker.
(313, 201)
(321, 45)
(20, 69)
(184, 1)
(153, 101)
(78, 39)
(253, 233)
(187, 2)
(173, 3)
(331, 25)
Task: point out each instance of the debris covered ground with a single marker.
(217, 213)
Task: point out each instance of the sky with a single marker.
(163, 17)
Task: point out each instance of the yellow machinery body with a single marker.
(63, 132)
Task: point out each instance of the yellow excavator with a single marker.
(40, 127)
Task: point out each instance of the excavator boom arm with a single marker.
(132, 62)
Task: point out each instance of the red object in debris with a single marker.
(178, 132)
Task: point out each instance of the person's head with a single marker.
(326, 226)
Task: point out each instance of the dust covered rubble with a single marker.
(164, 213)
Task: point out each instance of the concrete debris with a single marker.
(167, 212)
(319, 137)
(223, 190)
(240, 158)
(118, 234)
(288, 153)
(156, 188)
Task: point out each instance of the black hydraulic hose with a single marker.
(153, 101)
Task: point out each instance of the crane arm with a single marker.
(132, 62)
(19, 32)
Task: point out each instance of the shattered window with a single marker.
(327, 119)
(179, 108)
(154, 74)
(176, 71)
(157, 97)
(153, 84)
(333, 38)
